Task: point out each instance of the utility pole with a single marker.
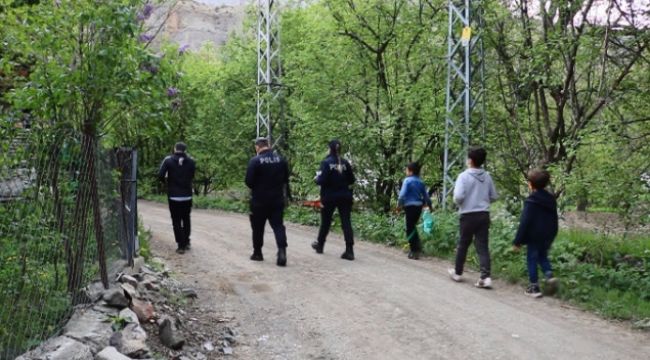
(269, 69)
(465, 100)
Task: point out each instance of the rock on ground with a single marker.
(111, 353)
(143, 309)
(59, 348)
(643, 324)
(89, 327)
(131, 341)
(129, 291)
(129, 316)
(189, 293)
(168, 335)
(103, 308)
(128, 279)
(115, 297)
(94, 291)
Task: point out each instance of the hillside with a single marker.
(193, 23)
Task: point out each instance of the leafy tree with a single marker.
(557, 75)
(369, 73)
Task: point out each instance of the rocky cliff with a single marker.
(194, 23)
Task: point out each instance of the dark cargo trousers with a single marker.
(474, 227)
(260, 214)
(180, 212)
(327, 213)
(412, 215)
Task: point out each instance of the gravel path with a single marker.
(381, 306)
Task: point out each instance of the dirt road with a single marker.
(381, 306)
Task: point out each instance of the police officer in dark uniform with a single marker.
(268, 178)
(335, 178)
(179, 170)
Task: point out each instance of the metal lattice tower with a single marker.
(269, 69)
(465, 103)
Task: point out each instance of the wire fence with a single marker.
(67, 207)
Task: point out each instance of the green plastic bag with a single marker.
(427, 221)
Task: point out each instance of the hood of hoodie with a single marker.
(544, 199)
(478, 174)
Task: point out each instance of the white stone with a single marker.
(59, 348)
(90, 327)
(131, 341)
(129, 316)
(111, 353)
(128, 279)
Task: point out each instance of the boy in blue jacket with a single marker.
(537, 229)
(412, 197)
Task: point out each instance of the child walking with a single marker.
(537, 230)
(412, 197)
(473, 193)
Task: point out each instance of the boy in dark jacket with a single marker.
(537, 229)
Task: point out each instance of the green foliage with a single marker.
(117, 322)
(144, 237)
(32, 278)
(72, 70)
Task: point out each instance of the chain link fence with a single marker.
(67, 207)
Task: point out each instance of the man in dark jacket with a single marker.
(179, 170)
(268, 178)
(335, 178)
(537, 229)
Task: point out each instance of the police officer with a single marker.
(268, 178)
(179, 170)
(335, 178)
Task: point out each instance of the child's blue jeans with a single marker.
(538, 254)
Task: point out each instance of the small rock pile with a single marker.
(140, 316)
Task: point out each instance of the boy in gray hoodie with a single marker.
(473, 193)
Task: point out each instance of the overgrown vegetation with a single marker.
(567, 95)
(68, 70)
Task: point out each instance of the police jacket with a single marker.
(335, 179)
(539, 221)
(179, 169)
(268, 178)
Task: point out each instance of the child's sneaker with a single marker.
(484, 283)
(454, 276)
(533, 291)
(551, 286)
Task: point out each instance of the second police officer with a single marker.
(268, 178)
(335, 178)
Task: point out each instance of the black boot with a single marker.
(317, 246)
(257, 255)
(282, 257)
(349, 253)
